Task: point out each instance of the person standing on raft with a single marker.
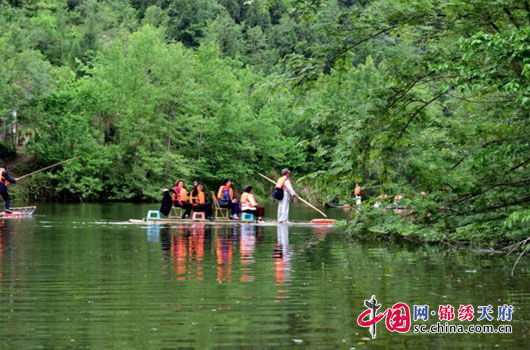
(4, 180)
(284, 183)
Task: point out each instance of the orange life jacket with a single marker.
(182, 193)
(357, 191)
(281, 182)
(244, 198)
(199, 198)
(3, 179)
(225, 188)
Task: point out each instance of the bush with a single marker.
(7, 151)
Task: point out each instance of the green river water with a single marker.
(81, 277)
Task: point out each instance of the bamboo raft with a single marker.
(18, 212)
(314, 223)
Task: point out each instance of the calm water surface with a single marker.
(81, 277)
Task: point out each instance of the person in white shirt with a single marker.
(284, 183)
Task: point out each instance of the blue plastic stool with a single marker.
(153, 214)
(247, 216)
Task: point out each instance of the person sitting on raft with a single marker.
(198, 201)
(226, 199)
(180, 198)
(4, 180)
(250, 205)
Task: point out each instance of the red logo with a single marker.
(397, 317)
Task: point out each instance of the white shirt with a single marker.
(250, 204)
(287, 186)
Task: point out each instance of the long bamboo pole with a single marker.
(300, 198)
(46, 168)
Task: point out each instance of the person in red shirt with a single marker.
(180, 198)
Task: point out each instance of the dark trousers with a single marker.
(234, 207)
(187, 208)
(5, 197)
(259, 211)
(205, 208)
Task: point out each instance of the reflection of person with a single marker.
(224, 259)
(250, 205)
(4, 231)
(4, 180)
(282, 256)
(284, 183)
(247, 246)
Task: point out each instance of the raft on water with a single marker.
(313, 223)
(18, 212)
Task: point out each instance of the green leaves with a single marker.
(147, 112)
(441, 107)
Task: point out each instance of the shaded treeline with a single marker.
(403, 97)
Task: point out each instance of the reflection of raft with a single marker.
(313, 223)
(18, 212)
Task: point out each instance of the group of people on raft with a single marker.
(196, 199)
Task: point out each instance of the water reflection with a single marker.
(282, 256)
(223, 249)
(110, 286)
(250, 235)
(153, 233)
(184, 247)
(4, 233)
(196, 252)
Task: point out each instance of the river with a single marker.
(81, 277)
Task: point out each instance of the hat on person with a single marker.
(285, 171)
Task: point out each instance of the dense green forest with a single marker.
(401, 96)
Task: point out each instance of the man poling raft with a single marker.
(5, 180)
(314, 221)
(283, 192)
